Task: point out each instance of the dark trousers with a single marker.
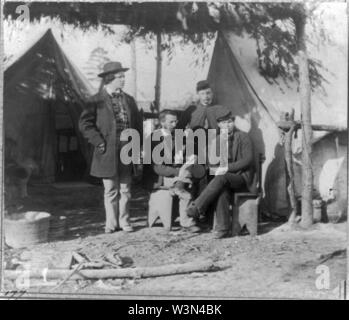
(218, 193)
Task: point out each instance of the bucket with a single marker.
(26, 229)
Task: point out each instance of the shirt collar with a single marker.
(209, 105)
(165, 132)
(118, 91)
(202, 106)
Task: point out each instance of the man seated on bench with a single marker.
(238, 177)
(177, 178)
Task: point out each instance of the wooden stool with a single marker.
(245, 213)
(160, 206)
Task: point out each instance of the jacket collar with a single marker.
(119, 91)
(105, 94)
(202, 106)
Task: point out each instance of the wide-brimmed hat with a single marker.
(112, 67)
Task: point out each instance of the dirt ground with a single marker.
(278, 263)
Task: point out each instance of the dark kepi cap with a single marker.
(112, 67)
(202, 85)
(223, 113)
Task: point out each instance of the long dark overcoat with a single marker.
(97, 124)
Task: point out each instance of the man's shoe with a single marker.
(192, 229)
(202, 219)
(220, 234)
(193, 212)
(128, 229)
(107, 230)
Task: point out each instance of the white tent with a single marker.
(258, 104)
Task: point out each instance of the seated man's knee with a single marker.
(220, 179)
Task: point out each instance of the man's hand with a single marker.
(184, 173)
(101, 148)
(193, 159)
(220, 171)
(178, 157)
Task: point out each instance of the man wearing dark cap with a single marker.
(201, 115)
(106, 115)
(238, 177)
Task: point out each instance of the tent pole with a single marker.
(134, 67)
(158, 71)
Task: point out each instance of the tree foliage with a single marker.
(272, 25)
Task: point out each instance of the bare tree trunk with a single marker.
(304, 84)
(158, 71)
(290, 171)
(134, 67)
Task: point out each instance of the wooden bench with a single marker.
(160, 206)
(245, 206)
(164, 205)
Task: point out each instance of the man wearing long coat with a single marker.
(106, 115)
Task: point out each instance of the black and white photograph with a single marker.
(174, 150)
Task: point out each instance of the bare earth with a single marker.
(278, 263)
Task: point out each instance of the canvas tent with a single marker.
(258, 104)
(329, 163)
(232, 89)
(43, 98)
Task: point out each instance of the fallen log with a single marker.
(142, 272)
(336, 253)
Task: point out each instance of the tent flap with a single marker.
(233, 90)
(35, 85)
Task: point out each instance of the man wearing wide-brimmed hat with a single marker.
(106, 115)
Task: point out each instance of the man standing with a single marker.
(106, 115)
(201, 115)
(238, 177)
